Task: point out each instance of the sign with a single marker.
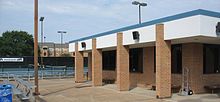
(11, 59)
(218, 29)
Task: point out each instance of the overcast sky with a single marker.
(82, 18)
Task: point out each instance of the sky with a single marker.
(81, 18)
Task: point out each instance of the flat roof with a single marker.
(156, 21)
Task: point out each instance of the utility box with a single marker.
(5, 93)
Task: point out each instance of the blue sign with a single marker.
(5, 93)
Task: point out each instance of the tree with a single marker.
(16, 43)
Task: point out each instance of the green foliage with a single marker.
(16, 43)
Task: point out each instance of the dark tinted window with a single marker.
(136, 60)
(109, 60)
(211, 59)
(176, 59)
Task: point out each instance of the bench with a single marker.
(108, 81)
(23, 89)
(173, 87)
(212, 87)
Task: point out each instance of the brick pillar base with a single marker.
(163, 64)
(96, 65)
(123, 82)
(79, 68)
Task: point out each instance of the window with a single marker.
(136, 60)
(211, 59)
(176, 58)
(109, 60)
(85, 60)
(44, 48)
(45, 53)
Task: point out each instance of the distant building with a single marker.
(50, 49)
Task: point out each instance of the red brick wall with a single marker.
(193, 59)
(90, 66)
(192, 55)
(109, 74)
(147, 77)
(176, 79)
(140, 80)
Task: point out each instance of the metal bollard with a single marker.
(29, 76)
(59, 75)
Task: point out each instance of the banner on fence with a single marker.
(11, 59)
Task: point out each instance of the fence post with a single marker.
(8, 75)
(42, 75)
(29, 76)
(59, 75)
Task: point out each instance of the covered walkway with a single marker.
(171, 53)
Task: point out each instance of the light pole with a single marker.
(36, 47)
(61, 38)
(139, 6)
(41, 20)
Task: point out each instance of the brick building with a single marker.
(155, 53)
(50, 49)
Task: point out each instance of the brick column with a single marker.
(163, 64)
(96, 65)
(193, 60)
(90, 66)
(79, 68)
(123, 82)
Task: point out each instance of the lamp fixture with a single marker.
(83, 44)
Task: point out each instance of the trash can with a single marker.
(5, 93)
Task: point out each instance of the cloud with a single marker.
(16, 5)
(98, 8)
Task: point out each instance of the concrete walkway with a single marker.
(65, 90)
